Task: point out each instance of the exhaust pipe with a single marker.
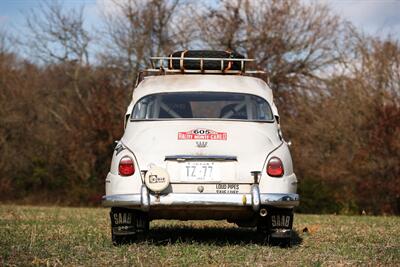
(263, 212)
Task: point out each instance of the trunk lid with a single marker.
(202, 151)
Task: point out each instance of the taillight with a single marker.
(126, 166)
(275, 167)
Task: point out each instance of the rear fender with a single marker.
(116, 184)
(285, 184)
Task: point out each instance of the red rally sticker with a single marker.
(202, 134)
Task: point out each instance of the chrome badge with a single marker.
(201, 144)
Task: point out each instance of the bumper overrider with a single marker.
(144, 200)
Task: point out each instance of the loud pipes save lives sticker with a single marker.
(202, 134)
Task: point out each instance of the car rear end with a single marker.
(202, 147)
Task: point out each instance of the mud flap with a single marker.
(277, 220)
(276, 226)
(128, 222)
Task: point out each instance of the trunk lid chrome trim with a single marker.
(201, 157)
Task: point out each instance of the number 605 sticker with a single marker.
(201, 131)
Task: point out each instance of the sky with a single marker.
(13, 12)
(375, 17)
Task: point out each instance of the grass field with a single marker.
(80, 236)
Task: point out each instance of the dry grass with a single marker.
(80, 236)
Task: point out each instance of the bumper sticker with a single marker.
(227, 188)
(202, 134)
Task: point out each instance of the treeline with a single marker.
(337, 90)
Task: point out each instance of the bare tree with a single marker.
(375, 81)
(291, 40)
(56, 34)
(58, 38)
(377, 64)
(352, 131)
(139, 29)
(4, 46)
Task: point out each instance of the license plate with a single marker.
(200, 172)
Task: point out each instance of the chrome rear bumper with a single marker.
(145, 200)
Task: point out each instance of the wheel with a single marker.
(262, 235)
(284, 242)
(128, 226)
(281, 242)
(119, 240)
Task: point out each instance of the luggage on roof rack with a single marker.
(179, 60)
(199, 62)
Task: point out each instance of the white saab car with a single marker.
(202, 144)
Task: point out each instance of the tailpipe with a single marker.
(263, 212)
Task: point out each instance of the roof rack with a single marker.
(160, 65)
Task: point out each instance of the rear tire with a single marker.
(119, 240)
(283, 242)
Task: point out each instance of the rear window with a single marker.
(202, 105)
